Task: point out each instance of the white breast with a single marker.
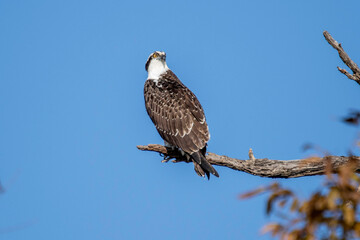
(156, 69)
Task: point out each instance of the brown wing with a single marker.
(176, 113)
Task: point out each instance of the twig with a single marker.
(345, 58)
(264, 167)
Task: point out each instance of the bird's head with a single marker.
(156, 64)
(156, 57)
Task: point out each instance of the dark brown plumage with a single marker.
(178, 117)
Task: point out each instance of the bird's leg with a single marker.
(174, 153)
(171, 150)
(183, 157)
(166, 158)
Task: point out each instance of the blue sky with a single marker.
(72, 111)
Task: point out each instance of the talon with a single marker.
(166, 159)
(179, 160)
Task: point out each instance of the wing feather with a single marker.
(176, 113)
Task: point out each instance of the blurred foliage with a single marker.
(332, 212)
(2, 190)
(353, 118)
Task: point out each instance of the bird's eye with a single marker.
(155, 55)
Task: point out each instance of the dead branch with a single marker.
(345, 58)
(264, 167)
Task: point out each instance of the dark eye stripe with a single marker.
(154, 55)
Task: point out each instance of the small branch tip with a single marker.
(251, 155)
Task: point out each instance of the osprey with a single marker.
(176, 113)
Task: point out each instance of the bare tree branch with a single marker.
(264, 167)
(345, 58)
